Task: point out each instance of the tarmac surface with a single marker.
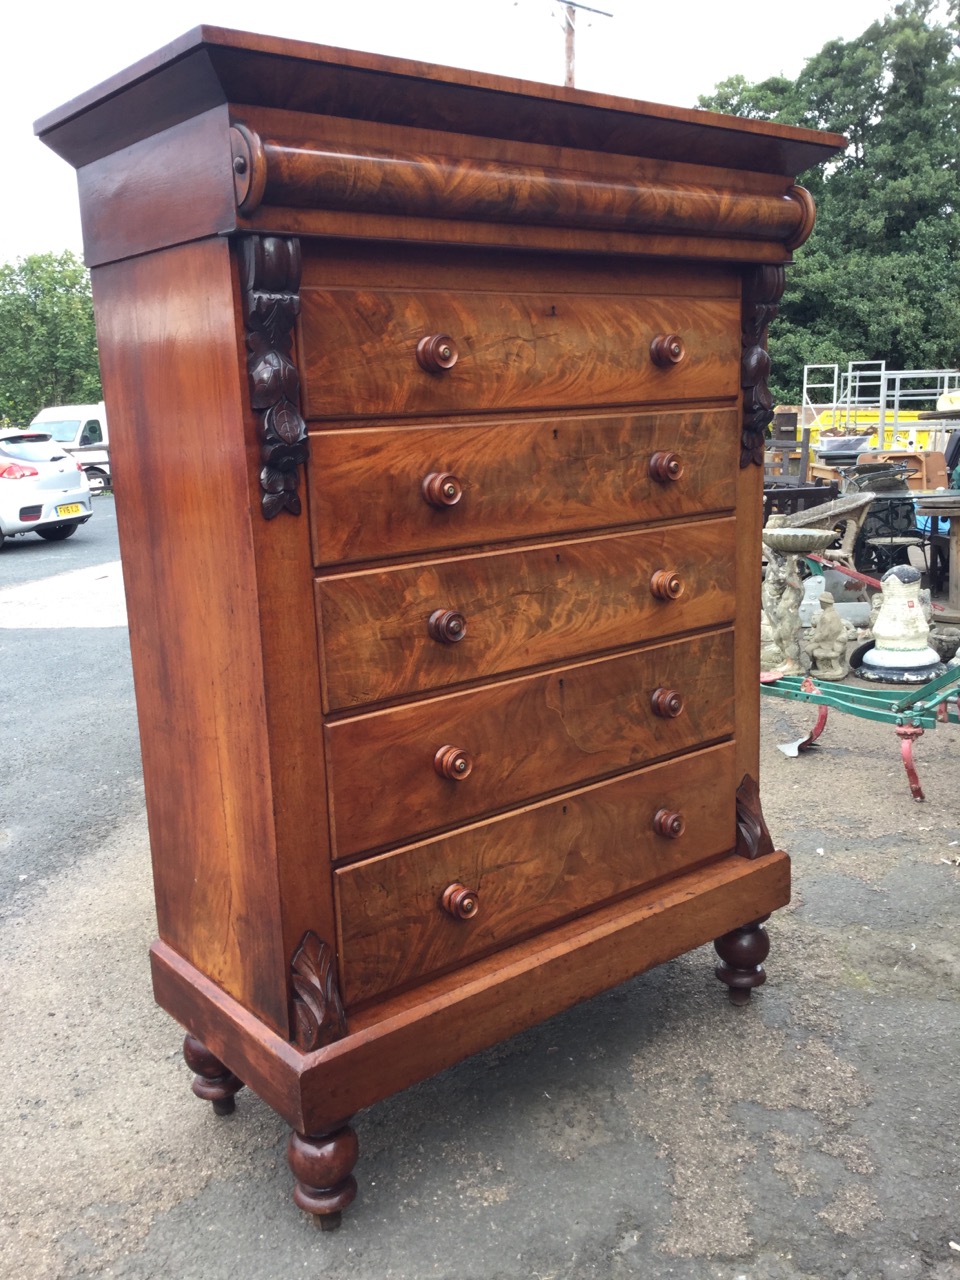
(656, 1131)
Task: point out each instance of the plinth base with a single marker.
(889, 666)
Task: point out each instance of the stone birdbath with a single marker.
(783, 591)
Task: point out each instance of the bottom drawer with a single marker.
(528, 870)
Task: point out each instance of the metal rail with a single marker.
(923, 707)
(869, 384)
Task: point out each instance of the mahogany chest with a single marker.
(438, 405)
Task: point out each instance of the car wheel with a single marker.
(57, 532)
(99, 480)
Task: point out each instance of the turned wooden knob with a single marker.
(667, 703)
(665, 466)
(666, 585)
(669, 823)
(667, 349)
(437, 352)
(462, 903)
(441, 489)
(453, 762)
(447, 626)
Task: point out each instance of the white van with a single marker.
(82, 431)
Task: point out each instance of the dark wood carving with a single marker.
(762, 290)
(753, 838)
(271, 300)
(318, 1016)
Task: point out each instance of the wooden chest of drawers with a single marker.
(437, 401)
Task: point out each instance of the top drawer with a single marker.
(516, 351)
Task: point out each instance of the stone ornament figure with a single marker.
(781, 595)
(827, 642)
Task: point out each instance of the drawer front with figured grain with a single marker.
(450, 760)
(379, 491)
(393, 353)
(387, 633)
(418, 910)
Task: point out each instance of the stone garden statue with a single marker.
(827, 642)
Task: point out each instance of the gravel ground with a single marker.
(654, 1131)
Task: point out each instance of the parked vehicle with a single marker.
(82, 430)
(43, 489)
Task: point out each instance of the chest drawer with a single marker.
(513, 351)
(522, 738)
(400, 490)
(528, 871)
(391, 632)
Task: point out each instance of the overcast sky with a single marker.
(649, 49)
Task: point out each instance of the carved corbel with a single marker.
(318, 1016)
(271, 303)
(762, 291)
(753, 838)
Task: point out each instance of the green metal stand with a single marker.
(919, 709)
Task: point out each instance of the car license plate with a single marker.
(70, 509)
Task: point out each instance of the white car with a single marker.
(42, 489)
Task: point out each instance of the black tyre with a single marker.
(57, 532)
(99, 480)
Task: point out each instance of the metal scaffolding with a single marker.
(869, 387)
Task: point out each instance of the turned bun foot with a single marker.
(322, 1164)
(213, 1082)
(742, 953)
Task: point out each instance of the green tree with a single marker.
(48, 345)
(879, 278)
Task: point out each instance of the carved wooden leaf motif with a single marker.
(762, 290)
(271, 274)
(317, 1008)
(753, 838)
(286, 422)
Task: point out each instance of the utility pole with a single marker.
(569, 36)
(569, 41)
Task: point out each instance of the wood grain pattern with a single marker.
(413, 1035)
(297, 172)
(361, 264)
(130, 202)
(523, 608)
(338, 227)
(747, 623)
(173, 376)
(531, 869)
(524, 351)
(214, 64)
(526, 737)
(520, 478)
(520, 673)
